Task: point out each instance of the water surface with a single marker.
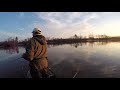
(82, 60)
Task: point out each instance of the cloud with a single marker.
(66, 24)
(59, 17)
(21, 29)
(20, 36)
(21, 14)
(57, 24)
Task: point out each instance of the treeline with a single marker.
(76, 38)
(73, 39)
(11, 42)
(23, 42)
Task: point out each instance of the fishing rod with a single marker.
(76, 73)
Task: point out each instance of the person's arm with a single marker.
(29, 54)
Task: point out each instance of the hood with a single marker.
(41, 39)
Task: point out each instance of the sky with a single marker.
(58, 24)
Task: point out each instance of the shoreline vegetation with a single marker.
(74, 39)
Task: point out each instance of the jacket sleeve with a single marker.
(29, 54)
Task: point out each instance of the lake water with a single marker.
(78, 60)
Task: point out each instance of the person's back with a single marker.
(40, 46)
(36, 53)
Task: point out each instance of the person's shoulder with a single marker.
(32, 40)
(43, 37)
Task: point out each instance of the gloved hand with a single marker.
(25, 57)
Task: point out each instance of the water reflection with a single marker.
(76, 45)
(12, 50)
(89, 59)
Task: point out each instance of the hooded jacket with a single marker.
(36, 48)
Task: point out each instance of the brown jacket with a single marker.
(36, 48)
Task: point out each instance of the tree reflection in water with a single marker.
(12, 50)
(91, 44)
